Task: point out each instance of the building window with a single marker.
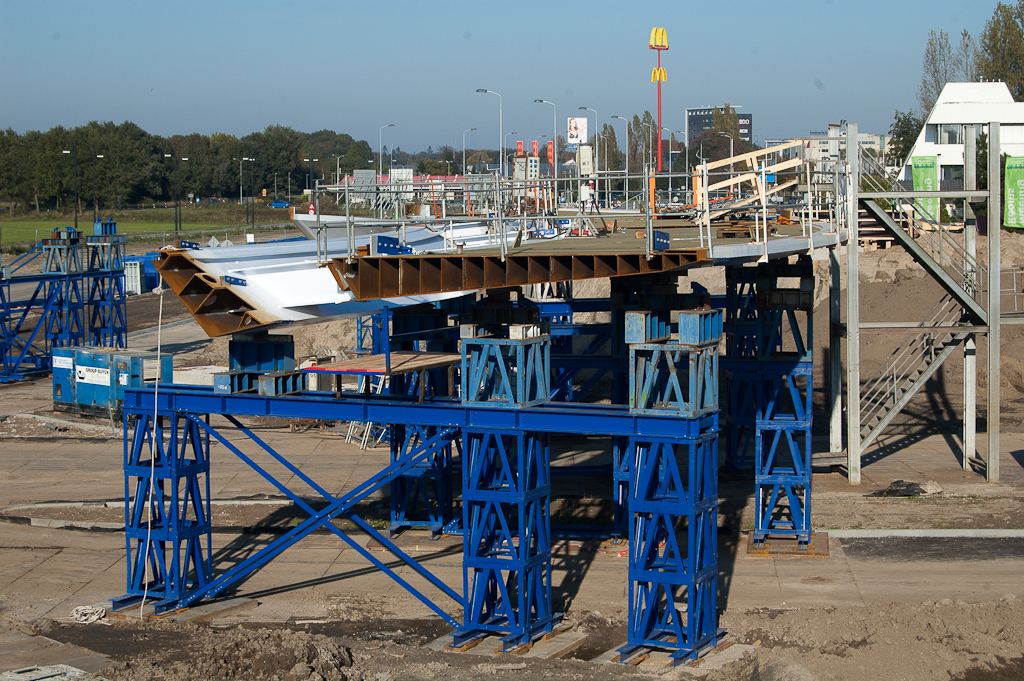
(952, 173)
(951, 134)
(931, 133)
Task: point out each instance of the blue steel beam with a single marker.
(551, 418)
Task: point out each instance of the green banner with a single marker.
(1013, 214)
(926, 179)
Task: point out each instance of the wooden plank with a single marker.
(752, 154)
(402, 362)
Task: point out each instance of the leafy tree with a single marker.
(1001, 48)
(905, 128)
(359, 155)
(941, 64)
(725, 120)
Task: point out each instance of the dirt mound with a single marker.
(243, 654)
(891, 641)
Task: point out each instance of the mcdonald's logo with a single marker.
(659, 41)
(658, 74)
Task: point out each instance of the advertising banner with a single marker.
(534, 148)
(577, 131)
(1013, 214)
(551, 153)
(926, 179)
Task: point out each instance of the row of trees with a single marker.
(123, 165)
(997, 54)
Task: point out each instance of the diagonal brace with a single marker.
(336, 507)
(977, 312)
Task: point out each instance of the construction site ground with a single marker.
(946, 601)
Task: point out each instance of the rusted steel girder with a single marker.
(217, 308)
(373, 277)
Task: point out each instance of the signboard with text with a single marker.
(926, 179)
(1013, 212)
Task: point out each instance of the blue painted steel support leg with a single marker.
(782, 448)
(507, 540)
(423, 496)
(673, 540)
(740, 369)
(167, 505)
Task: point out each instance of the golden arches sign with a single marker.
(658, 74)
(659, 41)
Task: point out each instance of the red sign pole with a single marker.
(659, 42)
(659, 112)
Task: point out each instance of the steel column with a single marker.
(970, 433)
(167, 505)
(853, 396)
(506, 495)
(995, 225)
(673, 542)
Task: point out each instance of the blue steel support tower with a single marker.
(167, 505)
(673, 537)
(506, 482)
(785, 348)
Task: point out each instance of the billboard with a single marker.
(577, 131)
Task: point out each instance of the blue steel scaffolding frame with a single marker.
(167, 506)
(784, 399)
(673, 536)
(664, 427)
(506, 496)
(63, 305)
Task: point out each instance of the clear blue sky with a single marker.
(236, 67)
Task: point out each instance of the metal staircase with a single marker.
(907, 369)
(919, 355)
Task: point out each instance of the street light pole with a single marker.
(464, 148)
(669, 159)
(554, 131)
(380, 148)
(597, 152)
(95, 205)
(625, 185)
(731, 154)
(74, 157)
(503, 147)
(501, 139)
(680, 132)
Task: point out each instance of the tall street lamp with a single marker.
(731, 154)
(177, 185)
(95, 205)
(625, 185)
(74, 156)
(503, 143)
(464, 148)
(501, 139)
(670, 157)
(554, 133)
(380, 148)
(660, 128)
(597, 153)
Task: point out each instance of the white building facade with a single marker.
(961, 105)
